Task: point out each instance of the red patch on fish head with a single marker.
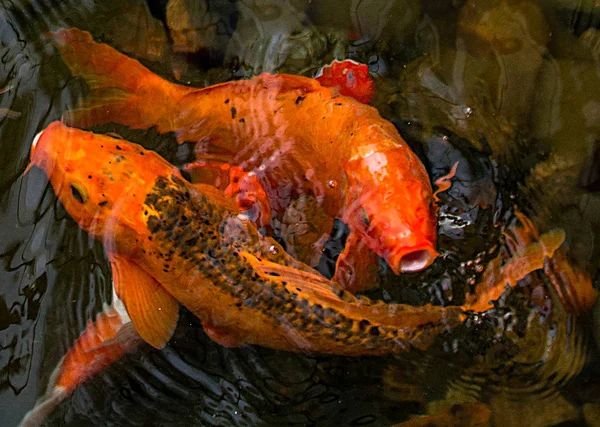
(350, 78)
(392, 208)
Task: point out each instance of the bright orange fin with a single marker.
(221, 337)
(443, 183)
(356, 266)
(211, 172)
(251, 197)
(153, 311)
(102, 343)
(120, 87)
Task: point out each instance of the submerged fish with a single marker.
(289, 136)
(350, 78)
(170, 242)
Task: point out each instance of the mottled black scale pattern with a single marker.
(205, 236)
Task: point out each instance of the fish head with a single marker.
(101, 181)
(390, 205)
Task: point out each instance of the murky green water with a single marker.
(510, 89)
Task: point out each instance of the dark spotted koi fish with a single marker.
(170, 242)
(280, 137)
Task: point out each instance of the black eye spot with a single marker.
(350, 77)
(365, 217)
(78, 193)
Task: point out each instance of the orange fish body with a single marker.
(294, 135)
(350, 78)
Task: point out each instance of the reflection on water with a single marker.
(508, 89)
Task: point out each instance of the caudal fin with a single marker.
(101, 344)
(121, 89)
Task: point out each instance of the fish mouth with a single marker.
(411, 260)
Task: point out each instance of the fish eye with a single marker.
(79, 192)
(365, 217)
(350, 77)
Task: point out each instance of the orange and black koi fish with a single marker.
(170, 242)
(283, 136)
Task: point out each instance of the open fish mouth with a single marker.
(412, 260)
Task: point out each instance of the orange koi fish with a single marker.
(350, 78)
(279, 136)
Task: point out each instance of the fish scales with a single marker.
(183, 215)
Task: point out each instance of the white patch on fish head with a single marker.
(36, 139)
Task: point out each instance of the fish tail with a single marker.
(101, 344)
(529, 252)
(117, 83)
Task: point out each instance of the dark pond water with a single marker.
(510, 89)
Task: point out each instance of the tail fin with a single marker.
(101, 344)
(121, 89)
(529, 252)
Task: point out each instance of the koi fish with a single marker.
(350, 78)
(170, 242)
(289, 136)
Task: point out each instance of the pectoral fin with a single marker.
(356, 267)
(222, 337)
(153, 311)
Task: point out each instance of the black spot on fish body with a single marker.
(153, 224)
(233, 112)
(362, 325)
(161, 183)
(118, 148)
(103, 203)
(300, 99)
(227, 101)
(242, 120)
